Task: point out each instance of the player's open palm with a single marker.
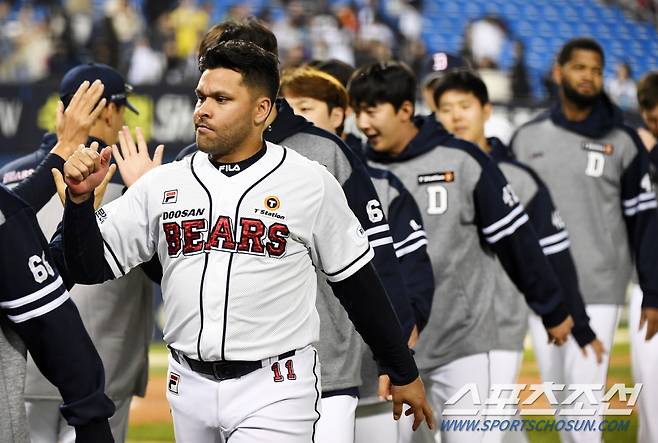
(85, 170)
(74, 123)
(133, 159)
(413, 395)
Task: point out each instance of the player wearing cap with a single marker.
(474, 223)
(322, 99)
(598, 173)
(238, 248)
(438, 64)
(117, 314)
(36, 312)
(463, 107)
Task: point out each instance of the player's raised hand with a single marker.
(133, 159)
(85, 170)
(597, 347)
(74, 123)
(650, 317)
(560, 333)
(413, 395)
(99, 192)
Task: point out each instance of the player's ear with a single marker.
(557, 73)
(337, 117)
(487, 109)
(263, 107)
(406, 111)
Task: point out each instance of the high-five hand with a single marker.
(85, 170)
(74, 123)
(133, 160)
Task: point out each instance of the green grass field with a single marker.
(161, 430)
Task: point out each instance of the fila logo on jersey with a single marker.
(603, 148)
(228, 168)
(439, 177)
(170, 197)
(254, 237)
(172, 385)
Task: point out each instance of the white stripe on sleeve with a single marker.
(412, 236)
(553, 249)
(554, 238)
(377, 230)
(503, 221)
(43, 292)
(40, 310)
(381, 241)
(642, 206)
(410, 248)
(508, 231)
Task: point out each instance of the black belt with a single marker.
(225, 369)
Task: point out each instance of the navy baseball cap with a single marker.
(115, 87)
(441, 62)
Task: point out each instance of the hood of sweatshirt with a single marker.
(602, 119)
(286, 123)
(430, 134)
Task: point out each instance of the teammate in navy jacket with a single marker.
(35, 302)
(322, 99)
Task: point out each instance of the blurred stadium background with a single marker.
(153, 43)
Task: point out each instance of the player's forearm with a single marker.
(369, 308)
(525, 263)
(83, 244)
(39, 187)
(565, 269)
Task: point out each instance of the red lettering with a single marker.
(277, 234)
(251, 237)
(223, 231)
(192, 235)
(172, 236)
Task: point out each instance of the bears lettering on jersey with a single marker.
(255, 237)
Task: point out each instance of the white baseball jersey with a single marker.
(238, 253)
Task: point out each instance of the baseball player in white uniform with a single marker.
(239, 229)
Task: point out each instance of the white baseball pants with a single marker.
(252, 408)
(504, 368)
(644, 356)
(336, 424)
(567, 364)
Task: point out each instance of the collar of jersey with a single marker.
(209, 175)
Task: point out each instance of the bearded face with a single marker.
(581, 78)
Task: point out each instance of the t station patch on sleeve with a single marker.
(437, 177)
(603, 148)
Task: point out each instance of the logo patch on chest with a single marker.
(603, 148)
(436, 177)
(170, 197)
